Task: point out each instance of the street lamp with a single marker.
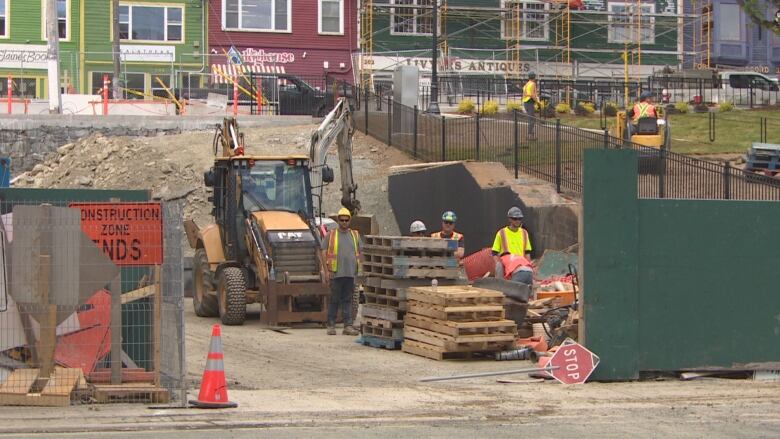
(433, 105)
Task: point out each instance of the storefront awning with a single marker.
(219, 72)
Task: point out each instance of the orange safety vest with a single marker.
(505, 242)
(643, 109)
(332, 257)
(455, 235)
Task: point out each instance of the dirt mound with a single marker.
(172, 167)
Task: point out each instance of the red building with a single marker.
(307, 38)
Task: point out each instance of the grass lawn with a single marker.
(735, 131)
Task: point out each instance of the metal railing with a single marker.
(554, 152)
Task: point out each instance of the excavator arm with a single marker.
(337, 126)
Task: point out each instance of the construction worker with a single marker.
(418, 229)
(343, 252)
(448, 220)
(530, 99)
(512, 249)
(644, 108)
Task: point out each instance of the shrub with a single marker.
(584, 109)
(726, 106)
(563, 108)
(610, 109)
(682, 107)
(545, 109)
(489, 108)
(466, 106)
(514, 106)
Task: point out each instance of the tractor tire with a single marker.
(232, 296)
(205, 304)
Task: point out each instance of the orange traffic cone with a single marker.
(213, 387)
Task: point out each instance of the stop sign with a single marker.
(572, 363)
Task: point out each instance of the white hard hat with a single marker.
(417, 226)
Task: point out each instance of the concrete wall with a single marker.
(28, 138)
(480, 194)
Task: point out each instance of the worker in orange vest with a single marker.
(343, 251)
(644, 108)
(512, 250)
(448, 220)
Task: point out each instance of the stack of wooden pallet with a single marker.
(456, 322)
(393, 264)
(763, 158)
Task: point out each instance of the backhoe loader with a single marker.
(264, 244)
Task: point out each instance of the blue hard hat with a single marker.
(646, 95)
(449, 216)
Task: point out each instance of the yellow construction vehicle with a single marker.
(649, 136)
(264, 246)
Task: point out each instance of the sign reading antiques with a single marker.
(128, 233)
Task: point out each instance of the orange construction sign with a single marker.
(128, 233)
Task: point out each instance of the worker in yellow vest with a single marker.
(343, 251)
(530, 99)
(512, 250)
(448, 220)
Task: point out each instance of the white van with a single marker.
(747, 88)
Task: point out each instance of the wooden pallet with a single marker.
(458, 329)
(386, 270)
(18, 388)
(461, 343)
(131, 392)
(381, 323)
(377, 331)
(436, 353)
(380, 342)
(382, 312)
(476, 313)
(412, 261)
(459, 295)
(399, 287)
(388, 301)
(409, 243)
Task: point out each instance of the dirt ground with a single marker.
(305, 373)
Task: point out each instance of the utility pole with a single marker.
(116, 85)
(53, 57)
(433, 105)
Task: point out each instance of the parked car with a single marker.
(294, 96)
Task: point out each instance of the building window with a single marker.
(532, 23)
(3, 18)
(133, 88)
(410, 20)
(631, 24)
(151, 23)
(63, 19)
(729, 23)
(257, 15)
(331, 16)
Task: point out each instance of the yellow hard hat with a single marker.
(344, 212)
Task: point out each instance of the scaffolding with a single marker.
(514, 20)
(366, 44)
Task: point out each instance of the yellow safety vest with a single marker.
(332, 258)
(529, 90)
(505, 241)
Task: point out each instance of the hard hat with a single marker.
(645, 95)
(515, 212)
(344, 212)
(449, 216)
(531, 75)
(417, 226)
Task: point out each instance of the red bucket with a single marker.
(479, 263)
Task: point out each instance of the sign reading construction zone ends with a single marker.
(128, 233)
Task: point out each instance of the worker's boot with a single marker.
(349, 330)
(331, 330)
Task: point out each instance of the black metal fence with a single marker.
(453, 89)
(549, 150)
